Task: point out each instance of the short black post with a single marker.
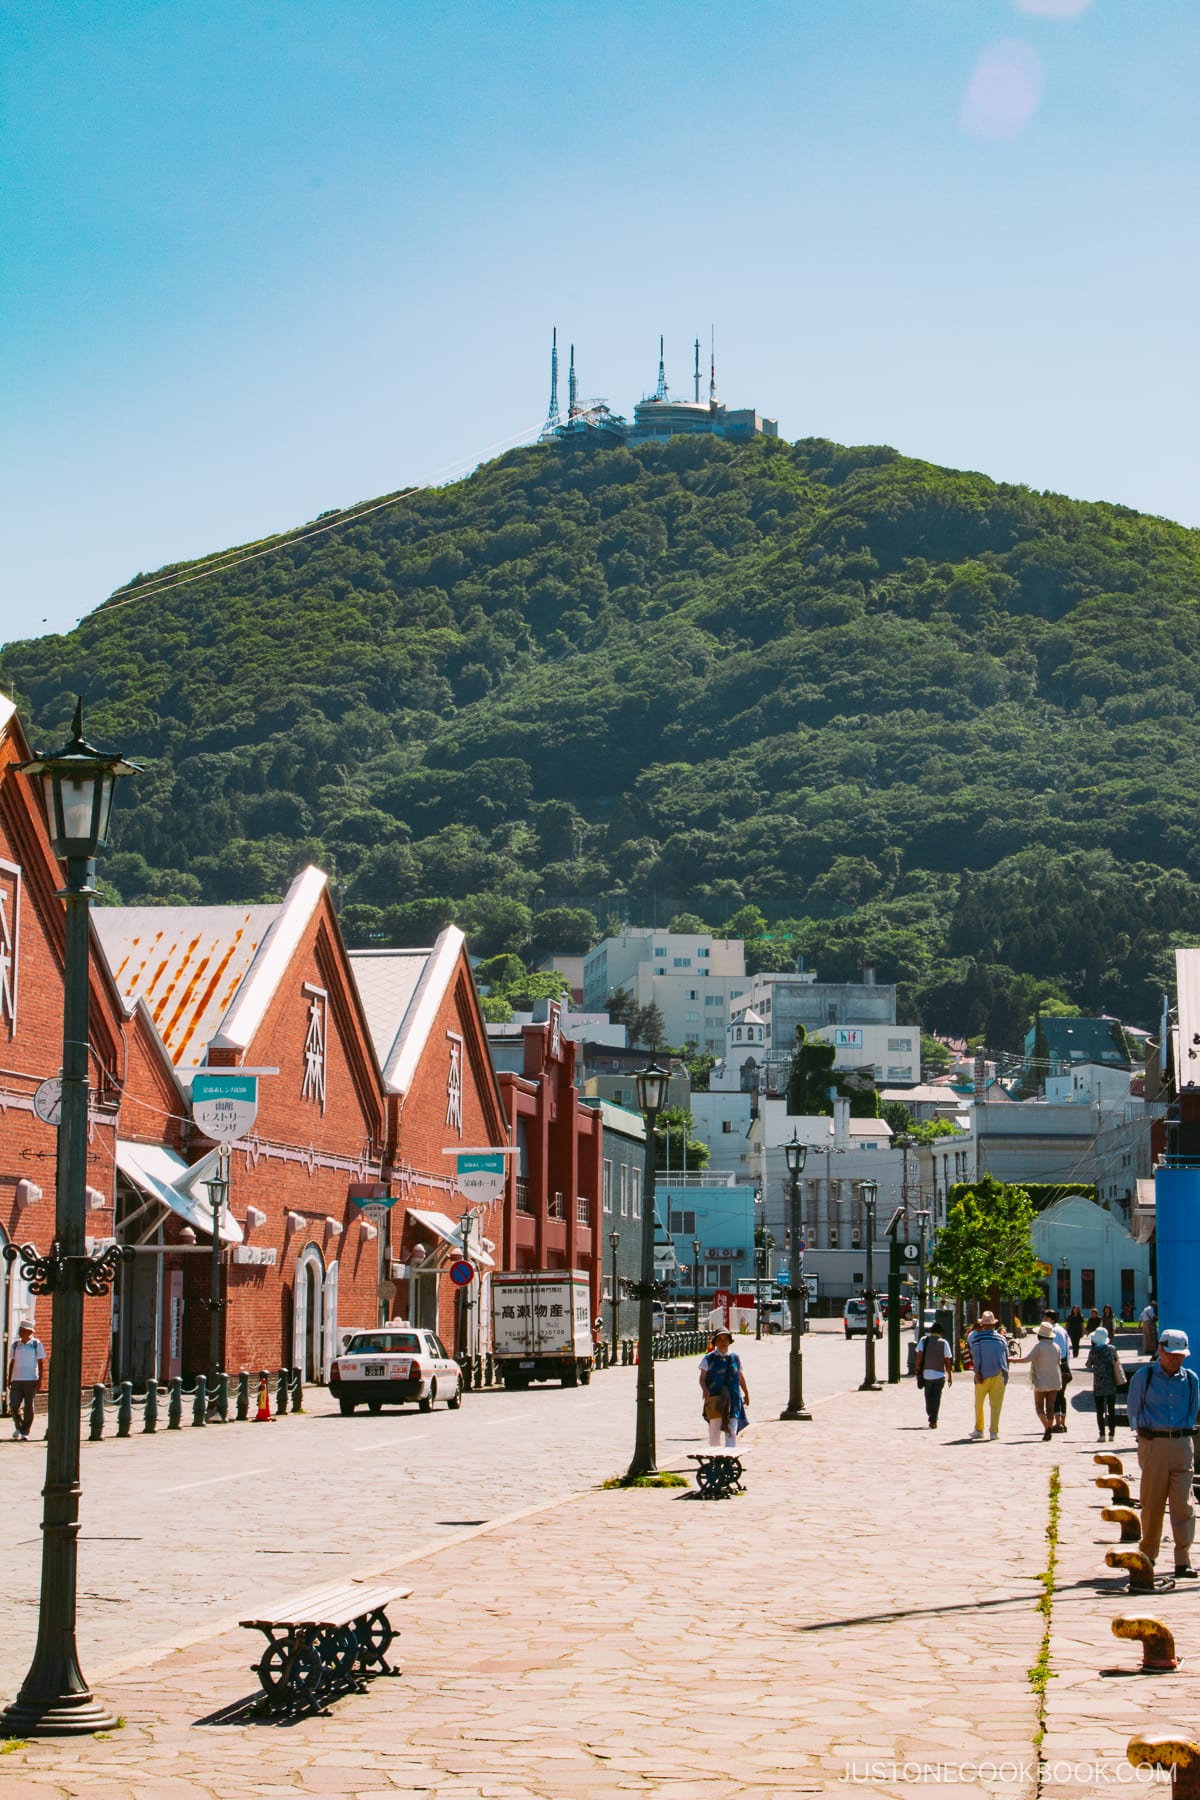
(200, 1402)
(125, 1409)
(96, 1415)
(243, 1395)
(151, 1413)
(175, 1404)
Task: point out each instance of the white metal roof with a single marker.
(401, 991)
(206, 973)
(1187, 1043)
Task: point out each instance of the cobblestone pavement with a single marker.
(861, 1619)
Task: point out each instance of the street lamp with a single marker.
(795, 1154)
(614, 1240)
(652, 1083)
(78, 782)
(697, 1246)
(870, 1194)
(218, 1191)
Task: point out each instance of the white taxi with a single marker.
(392, 1364)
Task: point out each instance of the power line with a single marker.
(219, 566)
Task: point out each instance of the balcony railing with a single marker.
(524, 1203)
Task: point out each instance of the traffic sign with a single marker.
(224, 1106)
(461, 1274)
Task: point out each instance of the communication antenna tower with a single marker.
(552, 418)
(660, 392)
(712, 368)
(696, 373)
(572, 388)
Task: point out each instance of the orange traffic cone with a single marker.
(264, 1401)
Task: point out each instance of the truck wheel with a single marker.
(570, 1376)
(374, 1406)
(585, 1375)
(347, 1407)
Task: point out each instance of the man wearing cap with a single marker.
(989, 1359)
(1164, 1398)
(24, 1379)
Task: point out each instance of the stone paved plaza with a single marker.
(862, 1619)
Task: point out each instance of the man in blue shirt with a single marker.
(1164, 1398)
(989, 1359)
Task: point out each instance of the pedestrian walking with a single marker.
(1045, 1372)
(989, 1359)
(1093, 1319)
(1050, 1317)
(1164, 1398)
(1149, 1324)
(1107, 1377)
(724, 1391)
(935, 1373)
(25, 1366)
(1109, 1321)
(1075, 1329)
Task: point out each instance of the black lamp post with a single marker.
(696, 1249)
(614, 1240)
(870, 1194)
(652, 1092)
(218, 1190)
(796, 1154)
(79, 782)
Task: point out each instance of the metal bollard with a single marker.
(200, 1401)
(175, 1404)
(1107, 1460)
(125, 1409)
(96, 1415)
(1117, 1487)
(243, 1395)
(1127, 1519)
(297, 1390)
(1139, 1567)
(151, 1413)
(281, 1393)
(1173, 1751)
(1156, 1639)
(222, 1407)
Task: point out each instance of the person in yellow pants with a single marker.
(989, 1359)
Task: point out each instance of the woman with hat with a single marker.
(725, 1392)
(1045, 1372)
(1107, 1377)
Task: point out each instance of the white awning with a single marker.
(444, 1227)
(163, 1176)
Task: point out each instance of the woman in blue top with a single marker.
(725, 1392)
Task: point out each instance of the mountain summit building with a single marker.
(656, 417)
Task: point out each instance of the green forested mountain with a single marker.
(906, 712)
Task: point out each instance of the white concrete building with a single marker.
(691, 977)
(891, 1053)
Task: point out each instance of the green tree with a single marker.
(677, 1148)
(986, 1244)
(570, 930)
(689, 924)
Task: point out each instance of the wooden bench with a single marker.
(718, 1473)
(325, 1641)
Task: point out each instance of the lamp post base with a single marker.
(870, 1387)
(67, 1715)
(796, 1412)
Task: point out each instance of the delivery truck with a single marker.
(542, 1327)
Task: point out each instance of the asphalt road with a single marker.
(184, 1531)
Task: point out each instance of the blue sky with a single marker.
(261, 259)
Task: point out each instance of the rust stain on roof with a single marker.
(199, 1010)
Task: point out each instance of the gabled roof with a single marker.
(401, 991)
(205, 973)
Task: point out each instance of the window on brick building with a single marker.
(624, 1187)
(583, 1210)
(607, 1187)
(557, 1208)
(636, 1186)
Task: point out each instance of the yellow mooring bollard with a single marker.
(1108, 1461)
(1173, 1751)
(1127, 1519)
(1157, 1641)
(1140, 1569)
(1118, 1487)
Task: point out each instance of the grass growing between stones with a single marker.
(1040, 1674)
(665, 1479)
